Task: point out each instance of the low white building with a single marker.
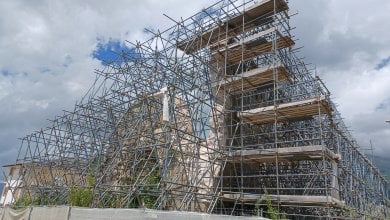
(10, 191)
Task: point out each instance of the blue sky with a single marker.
(107, 52)
(50, 49)
(383, 63)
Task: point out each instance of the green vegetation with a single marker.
(142, 199)
(271, 211)
(82, 196)
(148, 200)
(25, 200)
(118, 201)
(37, 199)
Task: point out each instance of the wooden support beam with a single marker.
(288, 111)
(253, 16)
(314, 152)
(248, 50)
(283, 199)
(253, 78)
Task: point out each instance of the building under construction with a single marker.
(216, 114)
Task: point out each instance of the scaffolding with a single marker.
(216, 114)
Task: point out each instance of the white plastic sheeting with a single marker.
(52, 213)
(74, 213)
(15, 214)
(121, 214)
(100, 214)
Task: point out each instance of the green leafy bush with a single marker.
(82, 196)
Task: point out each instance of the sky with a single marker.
(50, 49)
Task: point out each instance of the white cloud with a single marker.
(347, 40)
(46, 49)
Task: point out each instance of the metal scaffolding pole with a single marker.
(216, 114)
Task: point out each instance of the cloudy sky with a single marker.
(49, 50)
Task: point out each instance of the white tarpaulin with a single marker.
(100, 214)
(52, 213)
(138, 214)
(16, 214)
(75, 213)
